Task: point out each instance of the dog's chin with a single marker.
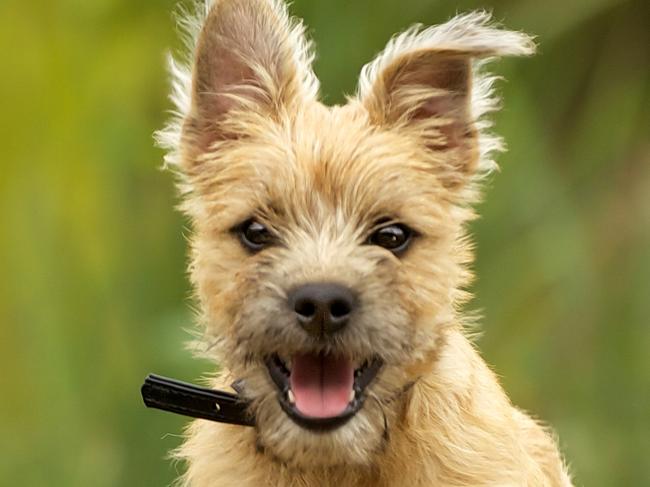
(353, 443)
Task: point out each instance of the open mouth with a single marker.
(321, 392)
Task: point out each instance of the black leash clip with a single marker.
(197, 402)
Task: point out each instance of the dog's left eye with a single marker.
(395, 238)
(254, 235)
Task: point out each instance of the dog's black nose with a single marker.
(322, 308)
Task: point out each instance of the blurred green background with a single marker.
(94, 295)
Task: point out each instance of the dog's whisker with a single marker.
(385, 435)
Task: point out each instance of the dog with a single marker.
(330, 257)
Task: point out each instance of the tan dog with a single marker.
(330, 258)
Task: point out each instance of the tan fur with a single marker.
(251, 139)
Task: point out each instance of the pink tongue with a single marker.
(321, 384)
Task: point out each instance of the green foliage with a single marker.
(93, 292)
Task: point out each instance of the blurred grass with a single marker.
(92, 254)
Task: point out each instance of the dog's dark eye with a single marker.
(395, 238)
(254, 235)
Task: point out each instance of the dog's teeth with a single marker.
(291, 397)
(351, 395)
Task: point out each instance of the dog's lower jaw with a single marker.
(457, 428)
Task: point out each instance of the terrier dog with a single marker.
(330, 257)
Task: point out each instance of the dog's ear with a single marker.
(427, 81)
(250, 57)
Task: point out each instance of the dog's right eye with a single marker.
(255, 236)
(395, 237)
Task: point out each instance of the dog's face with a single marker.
(327, 260)
(328, 246)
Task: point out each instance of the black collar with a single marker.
(197, 402)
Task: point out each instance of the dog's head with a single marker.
(328, 250)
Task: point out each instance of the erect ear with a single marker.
(426, 80)
(250, 57)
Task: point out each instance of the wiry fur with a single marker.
(250, 139)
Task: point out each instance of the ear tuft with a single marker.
(429, 79)
(248, 56)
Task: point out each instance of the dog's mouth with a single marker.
(321, 391)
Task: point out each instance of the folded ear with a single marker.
(249, 57)
(427, 80)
